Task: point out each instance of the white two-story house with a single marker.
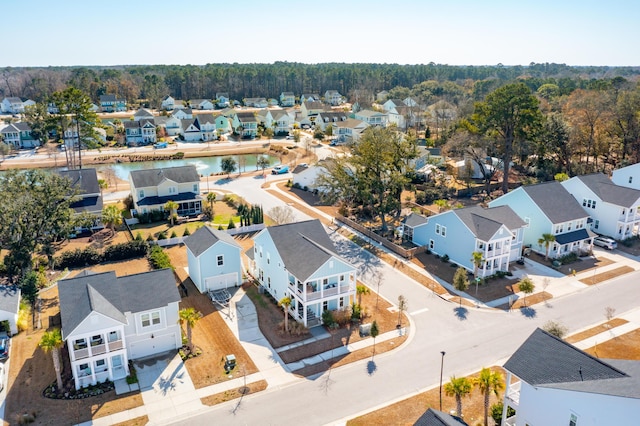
(298, 260)
(551, 382)
(614, 209)
(496, 232)
(109, 320)
(333, 97)
(287, 99)
(548, 208)
(168, 103)
(151, 189)
(372, 118)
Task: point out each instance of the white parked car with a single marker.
(605, 242)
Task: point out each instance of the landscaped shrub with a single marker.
(162, 235)
(173, 234)
(78, 258)
(135, 248)
(186, 232)
(150, 238)
(342, 316)
(138, 236)
(355, 312)
(327, 318)
(158, 258)
(445, 258)
(568, 258)
(231, 225)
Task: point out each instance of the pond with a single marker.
(204, 165)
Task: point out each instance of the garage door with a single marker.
(153, 346)
(220, 282)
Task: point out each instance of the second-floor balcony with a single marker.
(314, 292)
(96, 347)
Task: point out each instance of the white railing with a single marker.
(115, 345)
(513, 393)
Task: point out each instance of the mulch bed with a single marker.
(604, 276)
(626, 346)
(236, 393)
(593, 331)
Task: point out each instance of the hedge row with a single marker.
(89, 256)
(158, 258)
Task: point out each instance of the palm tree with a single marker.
(360, 290)
(477, 259)
(489, 382)
(211, 198)
(546, 240)
(52, 342)
(172, 208)
(190, 317)
(458, 387)
(285, 302)
(111, 217)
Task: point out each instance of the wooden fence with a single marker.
(406, 253)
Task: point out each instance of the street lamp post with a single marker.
(441, 369)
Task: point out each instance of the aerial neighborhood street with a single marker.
(332, 230)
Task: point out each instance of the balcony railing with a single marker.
(115, 345)
(97, 349)
(513, 394)
(81, 353)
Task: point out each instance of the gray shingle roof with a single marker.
(246, 117)
(547, 361)
(86, 180)
(555, 201)
(112, 296)
(205, 118)
(205, 237)
(608, 191)
(437, 418)
(414, 220)
(484, 223)
(9, 299)
(142, 112)
(153, 177)
(303, 246)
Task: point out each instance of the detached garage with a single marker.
(214, 259)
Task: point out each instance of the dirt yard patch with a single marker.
(138, 421)
(213, 337)
(529, 301)
(626, 346)
(32, 370)
(236, 393)
(604, 276)
(408, 411)
(593, 331)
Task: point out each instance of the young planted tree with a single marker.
(489, 382)
(458, 387)
(52, 342)
(526, 286)
(282, 214)
(189, 317)
(546, 240)
(402, 306)
(262, 163)
(460, 281)
(211, 198)
(375, 331)
(284, 303)
(172, 208)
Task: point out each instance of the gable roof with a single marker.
(544, 360)
(555, 201)
(142, 112)
(608, 191)
(9, 299)
(86, 181)
(205, 237)
(433, 417)
(205, 118)
(303, 246)
(484, 223)
(153, 177)
(246, 117)
(414, 220)
(112, 296)
(314, 105)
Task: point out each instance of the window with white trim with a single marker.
(431, 244)
(141, 193)
(220, 260)
(150, 318)
(443, 231)
(437, 229)
(195, 188)
(172, 190)
(573, 420)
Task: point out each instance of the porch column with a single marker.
(504, 398)
(304, 315)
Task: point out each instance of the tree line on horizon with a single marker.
(359, 82)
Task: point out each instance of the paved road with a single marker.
(472, 338)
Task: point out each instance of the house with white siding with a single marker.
(201, 104)
(614, 209)
(245, 124)
(151, 189)
(333, 97)
(10, 306)
(142, 113)
(109, 320)
(214, 259)
(142, 132)
(372, 118)
(548, 208)
(496, 232)
(287, 99)
(18, 135)
(299, 260)
(551, 382)
(168, 103)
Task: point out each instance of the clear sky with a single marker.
(455, 32)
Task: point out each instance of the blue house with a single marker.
(298, 260)
(496, 232)
(548, 208)
(214, 260)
